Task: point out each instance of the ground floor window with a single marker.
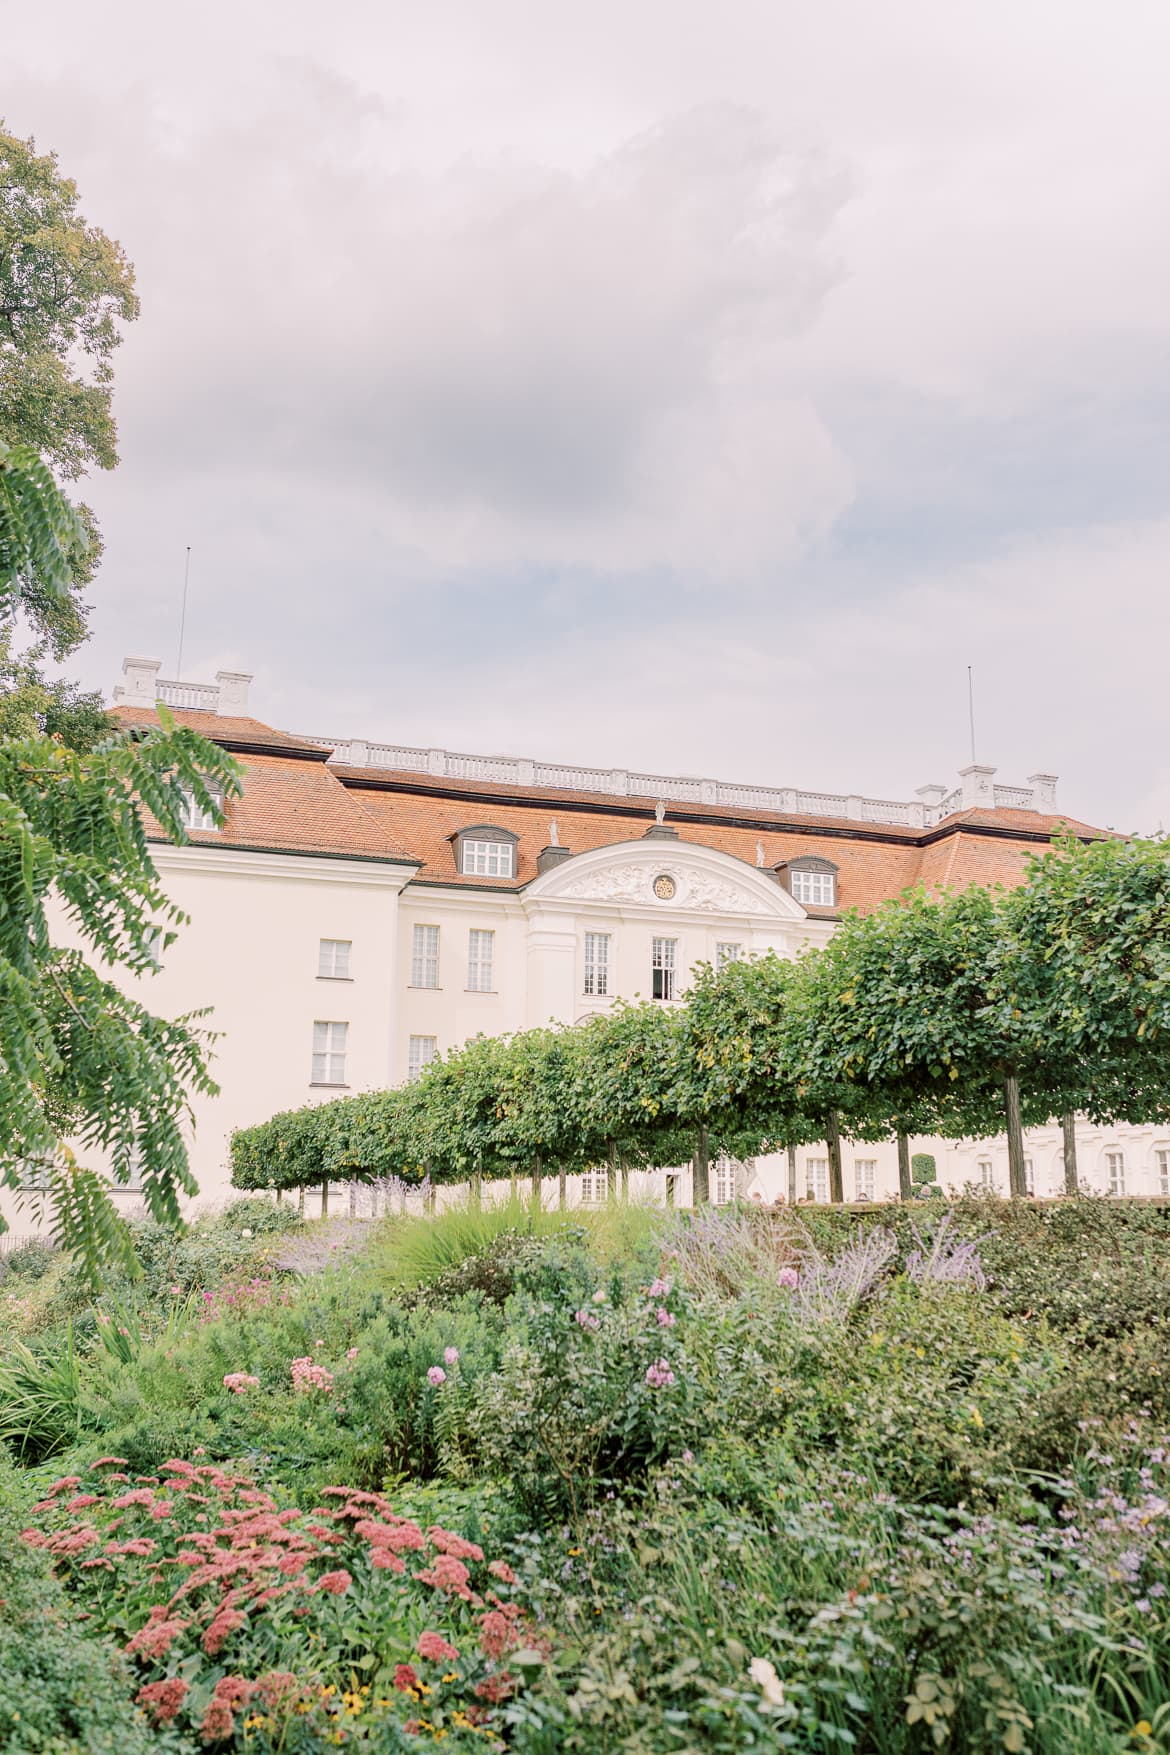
(594, 1188)
(817, 1178)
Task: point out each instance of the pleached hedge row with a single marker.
(952, 1014)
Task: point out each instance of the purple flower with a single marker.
(660, 1289)
(789, 1277)
(451, 1356)
(587, 1320)
(659, 1375)
(436, 1375)
(664, 1319)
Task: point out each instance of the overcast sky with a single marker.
(667, 385)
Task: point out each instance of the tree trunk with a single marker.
(833, 1141)
(905, 1186)
(353, 1200)
(477, 1190)
(562, 1188)
(1017, 1175)
(324, 1200)
(537, 1185)
(791, 1173)
(1068, 1129)
(301, 1201)
(280, 1197)
(670, 1182)
(611, 1174)
(625, 1180)
(513, 1188)
(701, 1171)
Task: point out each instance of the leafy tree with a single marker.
(82, 1060)
(31, 706)
(65, 288)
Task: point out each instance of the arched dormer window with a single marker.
(485, 851)
(810, 880)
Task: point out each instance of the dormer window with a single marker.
(194, 816)
(485, 851)
(811, 881)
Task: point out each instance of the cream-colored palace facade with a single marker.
(366, 906)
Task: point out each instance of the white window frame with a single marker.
(986, 1169)
(595, 979)
(420, 1051)
(481, 955)
(333, 959)
(727, 952)
(1162, 1161)
(488, 858)
(594, 1188)
(664, 968)
(193, 816)
(1030, 1178)
(330, 1047)
(722, 1182)
(1115, 1171)
(424, 956)
(864, 1178)
(816, 1178)
(814, 889)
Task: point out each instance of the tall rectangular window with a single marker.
(722, 1182)
(727, 953)
(864, 1176)
(594, 1188)
(1115, 1165)
(1029, 1179)
(419, 1055)
(662, 967)
(329, 1042)
(480, 946)
(424, 957)
(986, 1171)
(333, 959)
(817, 1178)
(1162, 1157)
(487, 858)
(597, 963)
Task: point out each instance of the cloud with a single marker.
(524, 365)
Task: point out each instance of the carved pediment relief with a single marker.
(634, 883)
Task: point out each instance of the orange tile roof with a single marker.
(293, 801)
(229, 732)
(289, 804)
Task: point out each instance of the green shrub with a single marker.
(62, 1691)
(342, 1624)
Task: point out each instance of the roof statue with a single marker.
(660, 812)
(554, 834)
(759, 853)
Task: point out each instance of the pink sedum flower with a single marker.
(451, 1356)
(436, 1375)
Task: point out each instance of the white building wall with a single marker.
(250, 952)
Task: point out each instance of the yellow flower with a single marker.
(574, 1552)
(976, 1418)
(1143, 1728)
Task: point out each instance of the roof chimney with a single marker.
(139, 687)
(233, 692)
(1044, 796)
